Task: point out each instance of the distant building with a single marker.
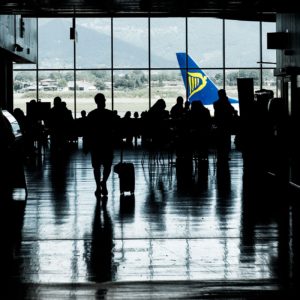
(81, 86)
(48, 85)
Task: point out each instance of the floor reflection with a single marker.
(11, 224)
(59, 175)
(209, 221)
(127, 206)
(98, 252)
(266, 224)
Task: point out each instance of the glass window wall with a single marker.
(133, 61)
(130, 43)
(205, 42)
(93, 43)
(242, 44)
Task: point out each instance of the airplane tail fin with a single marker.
(197, 83)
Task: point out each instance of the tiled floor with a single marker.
(211, 233)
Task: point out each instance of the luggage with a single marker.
(126, 173)
(125, 170)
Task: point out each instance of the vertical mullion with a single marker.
(149, 60)
(260, 55)
(224, 54)
(186, 57)
(74, 66)
(37, 59)
(112, 62)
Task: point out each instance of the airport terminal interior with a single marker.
(206, 212)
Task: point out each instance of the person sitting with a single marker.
(199, 123)
(157, 125)
(177, 110)
(127, 129)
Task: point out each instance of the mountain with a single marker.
(93, 48)
(205, 42)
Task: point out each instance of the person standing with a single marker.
(224, 114)
(100, 131)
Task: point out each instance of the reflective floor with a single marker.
(216, 231)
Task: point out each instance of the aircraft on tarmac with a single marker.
(197, 83)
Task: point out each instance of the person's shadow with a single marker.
(99, 249)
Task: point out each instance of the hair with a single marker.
(161, 104)
(127, 114)
(180, 100)
(100, 98)
(222, 93)
(57, 100)
(187, 103)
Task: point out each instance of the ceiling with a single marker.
(231, 9)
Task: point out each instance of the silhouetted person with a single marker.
(100, 140)
(34, 126)
(59, 122)
(81, 128)
(127, 129)
(224, 116)
(137, 130)
(69, 123)
(81, 123)
(177, 110)
(118, 127)
(199, 120)
(157, 125)
(116, 114)
(187, 105)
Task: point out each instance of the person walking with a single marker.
(100, 131)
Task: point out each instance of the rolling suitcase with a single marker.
(126, 173)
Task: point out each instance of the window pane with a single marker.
(130, 43)
(89, 83)
(131, 91)
(54, 45)
(231, 80)
(24, 88)
(167, 38)
(269, 80)
(168, 85)
(17, 66)
(93, 47)
(269, 55)
(205, 42)
(242, 44)
(57, 83)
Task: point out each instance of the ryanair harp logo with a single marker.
(197, 82)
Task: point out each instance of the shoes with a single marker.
(98, 191)
(104, 191)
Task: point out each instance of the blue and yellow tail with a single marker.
(197, 83)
